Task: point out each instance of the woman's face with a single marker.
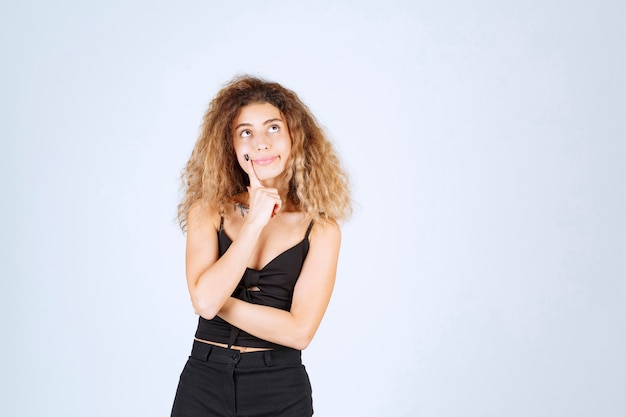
(261, 132)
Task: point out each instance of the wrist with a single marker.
(252, 225)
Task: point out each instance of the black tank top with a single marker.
(275, 281)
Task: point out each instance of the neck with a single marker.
(281, 186)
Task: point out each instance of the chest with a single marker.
(280, 237)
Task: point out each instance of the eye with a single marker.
(274, 128)
(245, 133)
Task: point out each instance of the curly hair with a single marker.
(318, 185)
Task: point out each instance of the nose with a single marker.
(262, 143)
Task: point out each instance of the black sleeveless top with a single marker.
(275, 281)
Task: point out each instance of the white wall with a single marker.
(482, 275)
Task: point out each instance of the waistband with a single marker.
(275, 357)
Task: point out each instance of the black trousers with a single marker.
(220, 382)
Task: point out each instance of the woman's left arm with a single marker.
(311, 296)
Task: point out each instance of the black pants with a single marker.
(223, 382)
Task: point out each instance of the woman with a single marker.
(264, 192)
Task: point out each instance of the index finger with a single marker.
(254, 180)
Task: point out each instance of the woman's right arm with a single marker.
(211, 279)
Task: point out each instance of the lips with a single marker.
(264, 161)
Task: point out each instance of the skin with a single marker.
(259, 233)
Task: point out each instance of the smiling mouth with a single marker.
(264, 161)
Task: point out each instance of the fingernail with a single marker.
(247, 157)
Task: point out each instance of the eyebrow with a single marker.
(268, 121)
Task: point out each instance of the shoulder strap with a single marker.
(308, 230)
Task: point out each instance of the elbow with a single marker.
(301, 344)
(204, 308)
(302, 340)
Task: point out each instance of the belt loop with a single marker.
(208, 352)
(267, 357)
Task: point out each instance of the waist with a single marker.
(207, 352)
(241, 349)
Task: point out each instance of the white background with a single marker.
(483, 273)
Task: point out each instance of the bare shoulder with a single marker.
(325, 232)
(202, 217)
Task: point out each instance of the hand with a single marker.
(264, 202)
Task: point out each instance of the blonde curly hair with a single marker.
(318, 185)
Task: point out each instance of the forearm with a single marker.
(311, 295)
(268, 323)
